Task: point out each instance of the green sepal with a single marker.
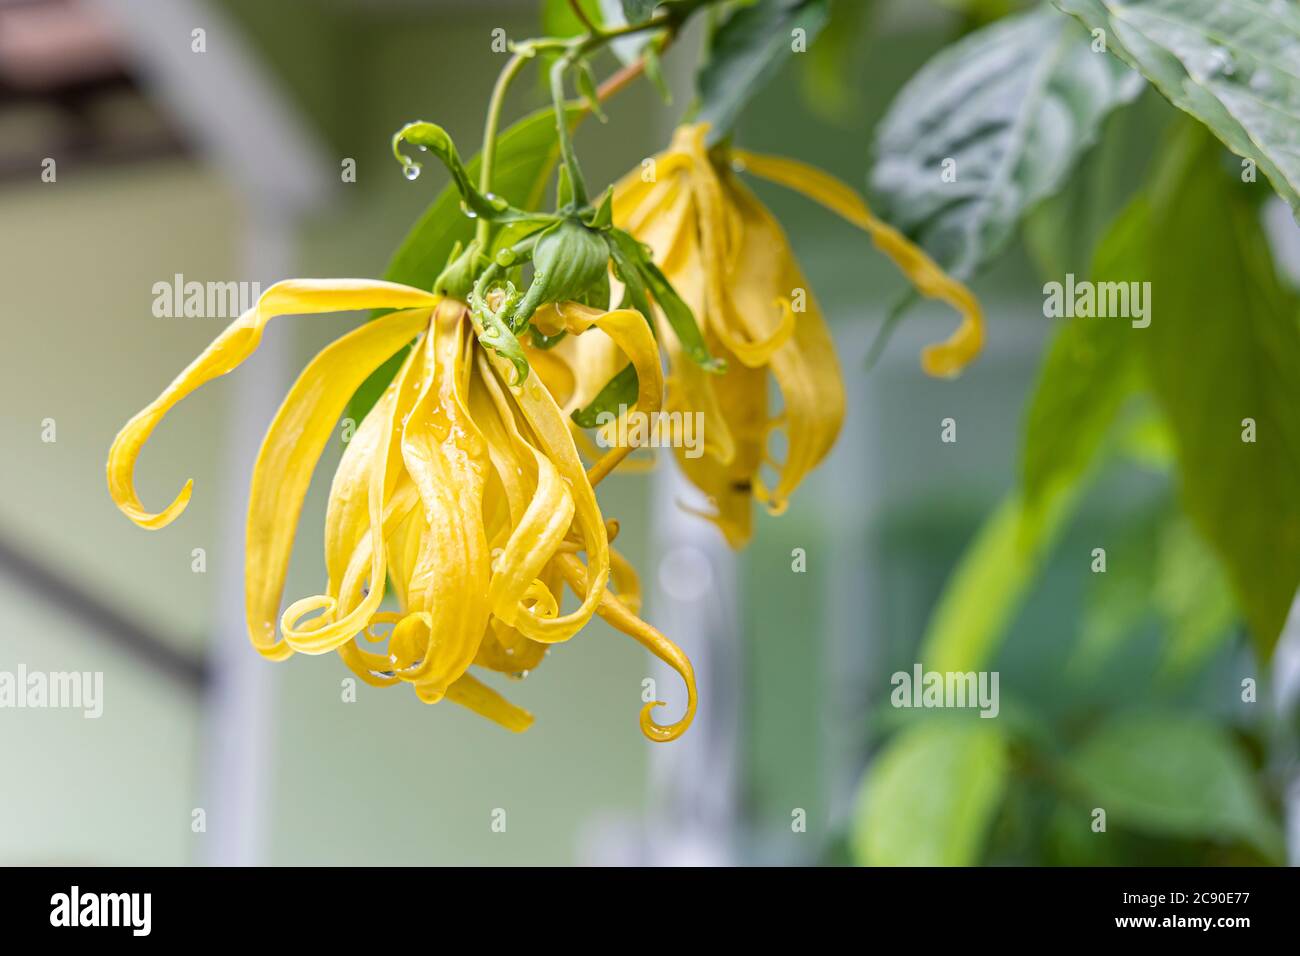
(434, 138)
(619, 392)
(675, 310)
(463, 267)
(602, 217)
(586, 81)
(568, 259)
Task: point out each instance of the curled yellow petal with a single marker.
(944, 359)
(616, 613)
(239, 340)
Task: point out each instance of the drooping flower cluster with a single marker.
(729, 259)
(462, 486)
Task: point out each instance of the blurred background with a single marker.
(225, 164)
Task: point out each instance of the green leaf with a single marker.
(1224, 346)
(746, 52)
(526, 154)
(830, 77)
(1086, 378)
(989, 583)
(1173, 775)
(616, 14)
(1089, 372)
(1118, 603)
(931, 795)
(1229, 63)
(1194, 598)
(559, 20)
(1013, 105)
(619, 392)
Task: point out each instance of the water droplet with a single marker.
(412, 171)
(469, 213)
(1221, 63)
(505, 257)
(496, 202)
(421, 148)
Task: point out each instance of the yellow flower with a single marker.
(729, 259)
(462, 486)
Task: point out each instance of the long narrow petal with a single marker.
(236, 343)
(945, 359)
(469, 692)
(806, 369)
(551, 428)
(447, 458)
(616, 613)
(332, 629)
(292, 447)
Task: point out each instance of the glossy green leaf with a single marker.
(931, 794)
(1232, 64)
(1172, 775)
(746, 52)
(1012, 106)
(526, 155)
(1223, 347)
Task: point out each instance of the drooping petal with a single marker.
(446, 456)
(469, 692)
(550, 428)
(289, 453)
(236, 343)
(616, 613)
(630, 331)
(945, 359)
(340, 618)
(805, 368)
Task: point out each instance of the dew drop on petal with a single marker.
(412, 171)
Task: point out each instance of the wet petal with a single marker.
(289, 453)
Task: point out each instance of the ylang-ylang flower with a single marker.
(729, 259)
(462, 486)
